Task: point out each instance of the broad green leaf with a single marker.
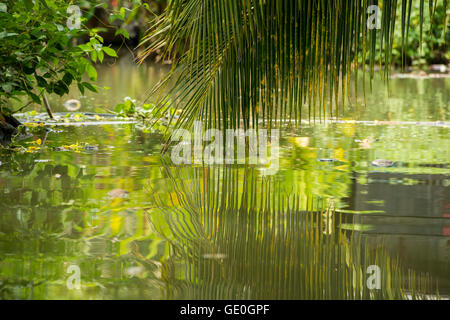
(110, 52)
(94, 56)
(92, 72)
(89, 86)
(123, 32)
(100, 56)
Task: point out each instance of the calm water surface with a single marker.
(138, 228)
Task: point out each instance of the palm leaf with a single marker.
(246, 63)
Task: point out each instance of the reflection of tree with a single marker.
(37, 213)
(49, 190)
(233, 235)
(55, 211)
(56, 215)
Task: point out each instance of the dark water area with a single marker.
(101, 200)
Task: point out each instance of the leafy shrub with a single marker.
(434, 42)
(38, 51)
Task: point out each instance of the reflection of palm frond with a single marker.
(235, 236)
(251, 60)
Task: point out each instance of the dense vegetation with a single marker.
(427, 44)
(40, 54)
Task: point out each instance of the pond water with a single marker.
(101, 203)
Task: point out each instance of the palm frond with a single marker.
(245, 63)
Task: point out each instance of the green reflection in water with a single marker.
(181, 232)
(233, 235)
(225, 233)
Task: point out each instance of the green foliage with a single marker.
(420, 46)
(39, 53)
(127, 107)
(431, 49)
(123, 13)
(153, 118)
(252, 63)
